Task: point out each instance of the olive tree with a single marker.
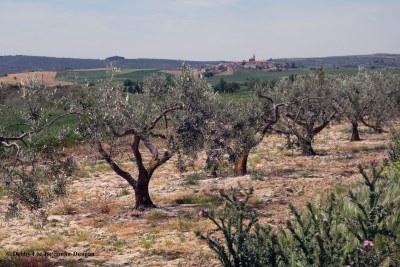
(382, 90)
(356, 100)
(239, 126)
(164, 119)
(25, 162)
(312, 104)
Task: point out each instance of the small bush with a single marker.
(239, 240)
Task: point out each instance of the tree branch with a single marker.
(106, 156)
(138, 156)
(4, 140)
(162, 115)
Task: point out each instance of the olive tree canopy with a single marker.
(312, 102)
(27, 112)
(164, 119)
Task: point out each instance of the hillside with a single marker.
(369, 61)
(14, 64)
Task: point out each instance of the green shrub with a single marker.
(359, 228)
(239, 240)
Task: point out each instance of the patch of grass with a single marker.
(3, 192)
(124, 192)
(193, 178)
(85, 172)
(185, 226)
(148, 241)
(305, 173)
(199, 199)
(98, 262)
(368, 149)
(157, 215)
(44, 243)
(257, 159)
(119, 243)
(82, 236)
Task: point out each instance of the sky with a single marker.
(199, 29)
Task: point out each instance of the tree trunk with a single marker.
(355, 136)
(241, 165)
(307, 148)
(142, 195)
(211, 166)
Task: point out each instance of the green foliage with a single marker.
(394, 149)
(199, 199)
(312, 102)
(133, 87)
(33, 169)
(361, 228)
(226, 87)
(314, 236)
(193, 178)
(239, 240)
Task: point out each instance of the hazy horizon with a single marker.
(204, 30)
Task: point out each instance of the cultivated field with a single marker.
(44, 77)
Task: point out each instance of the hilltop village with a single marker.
(251, 63)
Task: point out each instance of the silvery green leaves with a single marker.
(169, 116)
(30, 146)
(312, 102)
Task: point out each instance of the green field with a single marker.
(239, 76)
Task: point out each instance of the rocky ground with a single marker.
(97, 218)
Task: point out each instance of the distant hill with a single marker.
(115, 58)
(369, 61)
(13, 64)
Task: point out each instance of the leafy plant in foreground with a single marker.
(361, 228)
(239, 240)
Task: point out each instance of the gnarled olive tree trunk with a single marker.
(141, 184)
(355, 136)
(142, 196)
(241, 165)
(306, 147)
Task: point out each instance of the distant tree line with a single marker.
(226, 87)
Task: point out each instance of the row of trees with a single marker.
(186, 116)
(226, 87)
